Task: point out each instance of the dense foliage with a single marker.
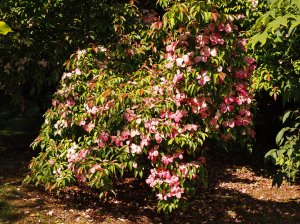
(276, 47)
(45, 34)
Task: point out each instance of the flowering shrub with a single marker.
(147, 104)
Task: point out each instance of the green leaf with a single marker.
(294, 24)
(277, 23)
(215, 77)
(290, 152)
(279, 136)
(141, 173)
(170, 141)
(271, 155)
(296, 3)
(260, 37)
(172, 22)
(286, 115)
(4, 28)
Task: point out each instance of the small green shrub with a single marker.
(287, 157)
(275, 43)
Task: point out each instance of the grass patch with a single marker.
(7, 213)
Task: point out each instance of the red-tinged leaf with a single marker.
(145, 67)
(124, 95)
(92, 85)
(157, 25)
(67, 63)
(130, 52)
(90, 104)
(215, 16)
(221, 77)
(107, 93)
(181, 30)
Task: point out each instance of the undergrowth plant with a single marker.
(276, 43)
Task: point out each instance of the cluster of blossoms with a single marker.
(227, 115)
(234, 111)
(161, 177)
(206, 47)
(254, 3)
(74, 156)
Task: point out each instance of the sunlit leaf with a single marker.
(4, 28)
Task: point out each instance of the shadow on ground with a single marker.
(239, 190)
(251, 200)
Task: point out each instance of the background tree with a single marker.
(45, 34)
